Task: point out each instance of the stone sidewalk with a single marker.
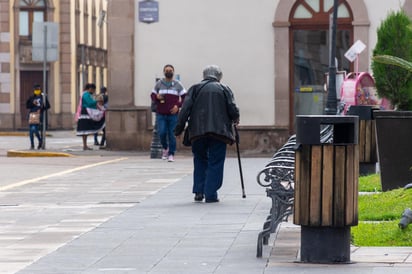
(136, 215)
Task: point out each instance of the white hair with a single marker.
(212, 71)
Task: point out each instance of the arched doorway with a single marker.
(284, 114)
(310, 52)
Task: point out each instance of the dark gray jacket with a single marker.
(210, 110)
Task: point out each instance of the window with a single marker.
(30, 11)
(310, 50)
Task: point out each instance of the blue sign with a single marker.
(148, 11)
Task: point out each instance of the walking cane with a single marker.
(240, 164)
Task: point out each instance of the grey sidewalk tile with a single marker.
(189, 267)
(141, 264)
(138, 216)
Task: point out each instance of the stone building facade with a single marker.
(270, 52)
(82, 57)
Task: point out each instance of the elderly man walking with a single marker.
(211, 112)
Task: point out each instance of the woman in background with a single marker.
(90, 119)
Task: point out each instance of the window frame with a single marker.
(318, 21)
(31, 8)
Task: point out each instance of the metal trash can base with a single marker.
(325, 245)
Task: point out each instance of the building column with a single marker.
(407, 7)
(127, 127)
(7, 94)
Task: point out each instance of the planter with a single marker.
(394, 141)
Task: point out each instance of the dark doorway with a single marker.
(27, 81)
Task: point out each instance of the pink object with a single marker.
(79, 110)
(359, 89)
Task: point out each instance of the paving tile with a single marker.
(134, 215)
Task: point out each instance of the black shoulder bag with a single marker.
(186, 140)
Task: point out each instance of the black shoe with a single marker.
(39, 146)
(199, 197)
(31, 147)
(96, 143)
(212, 200)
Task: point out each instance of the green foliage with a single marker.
(384, 206)
(381, 234)
(379, 214)
(394, 39)
(370, 183)
(393, 60)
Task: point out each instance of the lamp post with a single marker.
(149, 13)
(44, 122)
(156, 146)
(332, 101)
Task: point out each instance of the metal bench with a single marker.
(278, 179)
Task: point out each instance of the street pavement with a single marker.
(105, 211)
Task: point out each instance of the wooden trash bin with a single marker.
(326, 186)
(368, 153)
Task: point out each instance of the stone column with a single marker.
(8, 116)
(407, 7)
(127, 127)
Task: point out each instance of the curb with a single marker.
(14, 133)
(15, 153)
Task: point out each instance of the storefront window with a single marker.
(310, 23)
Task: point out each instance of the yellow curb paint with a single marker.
(3, 133)
(34, 180)
(15, 153)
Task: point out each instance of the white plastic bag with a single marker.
(95, 114)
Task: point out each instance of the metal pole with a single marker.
(44, 88)
(332, 101)
(156, 146)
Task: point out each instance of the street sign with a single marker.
(45, 49)
(355, 50)
(51, 30)
(148, 11)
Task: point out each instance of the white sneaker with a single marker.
(165, 153)
(170, 158)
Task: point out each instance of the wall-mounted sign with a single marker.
(148, 11)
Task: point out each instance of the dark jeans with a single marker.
(34, 130)
(96, 140)
(165, 126)
(209, 159)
